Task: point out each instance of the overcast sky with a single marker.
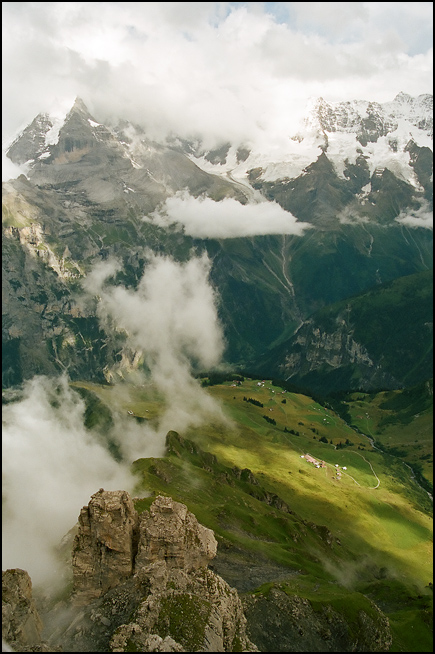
(227, 69)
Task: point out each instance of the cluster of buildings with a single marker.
(311, 459)
(322, 464)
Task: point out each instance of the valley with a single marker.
(358, 527)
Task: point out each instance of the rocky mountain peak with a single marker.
(169, 532)
(105, 545)
(31, 142)
(80, 107)
(114, 542)
(21, 624)
(403, 98)
(157, 559)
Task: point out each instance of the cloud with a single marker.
(51, 465)
(11, 170)
(171, 321)
(227, 70)
(204, 218)
(422, 217)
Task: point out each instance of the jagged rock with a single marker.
(198, 611)
(105, 546)
(142, 582)
(21, 624)
(169, 532)
(189, 608)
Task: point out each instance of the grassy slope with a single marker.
(400, 422)
(380, 516)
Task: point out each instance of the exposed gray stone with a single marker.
(21, 624)
(105, 546)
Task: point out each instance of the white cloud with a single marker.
(232, 72)
(171, 320)
(51, 465)
(204, 218)
(422, 217)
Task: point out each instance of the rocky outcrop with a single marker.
(279, 622)
(196, 612)
(169, 532)
(21, 624)
(156, 563)
(105, 546)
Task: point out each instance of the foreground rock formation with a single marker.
(141, 582)
(152, 569)
(21, 624)
(104, 548)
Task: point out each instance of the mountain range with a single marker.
(311, 301)
(295, 282)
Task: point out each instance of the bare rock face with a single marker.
(21, 624)
(189, 608)
(169, 532)
(159, 559)
(185, 612)
(105, 546)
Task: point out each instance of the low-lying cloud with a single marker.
(422, 217)
(205, 218)
(52, 463)
(171, 321)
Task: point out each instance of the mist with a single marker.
(171, 323)
(205, 218)
(52, 463)
(421, 217)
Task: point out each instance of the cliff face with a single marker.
(21, 624)
(105, 545)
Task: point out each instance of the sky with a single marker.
(240, 70)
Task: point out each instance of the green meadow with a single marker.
(353, 528)
(400, 422)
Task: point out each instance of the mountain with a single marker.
(382, 338)
(359, 174)
(359, 139)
